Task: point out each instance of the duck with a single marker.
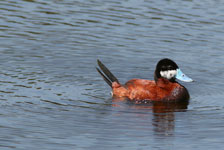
(164, 87)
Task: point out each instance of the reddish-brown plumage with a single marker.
(162, 89)
(147, 90)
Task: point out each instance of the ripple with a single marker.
(7, 92)
(49, 87)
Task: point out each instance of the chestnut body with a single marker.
(163, 88)
(148, 90)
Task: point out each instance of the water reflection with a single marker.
(163, 114)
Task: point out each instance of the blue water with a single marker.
(52, 98)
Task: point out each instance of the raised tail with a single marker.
(106, 74)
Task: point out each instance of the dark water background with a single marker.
(52, 98)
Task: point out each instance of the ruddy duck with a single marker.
(164, 87)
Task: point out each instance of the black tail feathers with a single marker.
(106, 74)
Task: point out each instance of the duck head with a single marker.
(168, 69)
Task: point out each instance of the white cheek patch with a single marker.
(168, 74)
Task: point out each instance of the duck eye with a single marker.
(170, 67)
(182, 75)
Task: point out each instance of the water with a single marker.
(51, 96)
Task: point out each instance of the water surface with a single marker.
(51, 96)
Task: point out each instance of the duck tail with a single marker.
(106, 74)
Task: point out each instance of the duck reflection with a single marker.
(163, 118)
